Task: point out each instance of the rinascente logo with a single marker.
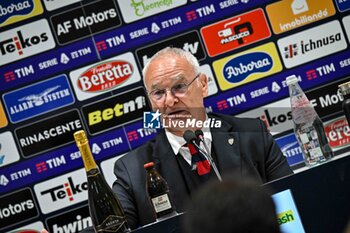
(105, 76)
(17, 207)
(62, 191)
(15, 11)
(311, 44)
(49, 133)
(24, 41)
(235, 32)
(70, 222)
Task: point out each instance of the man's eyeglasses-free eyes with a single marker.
(178, 90)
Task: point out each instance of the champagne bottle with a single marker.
(105, 210)
(158, 192)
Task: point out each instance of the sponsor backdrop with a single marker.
(67, 65)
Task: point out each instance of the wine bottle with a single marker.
(158, 192)
(106, 213)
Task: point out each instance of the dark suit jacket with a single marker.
(254, 153)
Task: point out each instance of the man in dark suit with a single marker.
(176, 89)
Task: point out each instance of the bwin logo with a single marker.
(239, 68)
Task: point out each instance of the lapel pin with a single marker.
(230, 141)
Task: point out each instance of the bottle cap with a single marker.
(291, 79)
(80, 137)
(344, 88)
(148, 165)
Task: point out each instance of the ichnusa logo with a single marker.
(248, 66)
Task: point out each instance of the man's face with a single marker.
(170, 71)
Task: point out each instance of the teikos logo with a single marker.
(311, 44)
(8, 150)
(247, 66)
(133, 10)
(15, 11)
(338, 133)
(49, 133)
(37, 99)
(235, 32)
(62, 191)
(17, 207)
(290, 14)
(99, 78)
(189, 42)
(24, 41)
(115, 111)
(83, 21)
(70, 222)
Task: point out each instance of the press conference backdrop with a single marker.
(67, 65)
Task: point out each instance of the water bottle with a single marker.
(345, 91)
(308, 126)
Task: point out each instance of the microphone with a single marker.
(191, 137)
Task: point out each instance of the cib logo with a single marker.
(151, 120)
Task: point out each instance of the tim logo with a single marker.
(291, 51)
(151, 120)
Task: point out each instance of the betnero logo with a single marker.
(17, 207)
(39, 98)
(338, 133)
(247, 66)
(26, 40)
(73, 221)
(105, 76)
(15, 11)
(311, 44)
(49, 133)
(290, 14)
(113, 112)
(133, 10)
(189, 42)
(99, 78)
(35, 227)
(55, 4)
(85, 21)
(62, 191)
(3, 118)
(8, 150)
(235, 32)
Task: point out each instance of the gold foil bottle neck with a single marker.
(80, 137)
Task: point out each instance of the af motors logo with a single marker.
(338, 133)
(49, 133)
(61, 192)
(24, 41)
(8, 150)
(133, 10)
(72, 221)
(277, 116)
(118, 110)
(37, 99)
(247, 66)
(17, 207)
(235, 32)
(312, 44)
(290, 14)
(85, 21)
(99, 78)
(18, 10)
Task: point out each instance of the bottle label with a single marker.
(309, 139)
(161, 203)
(112, 223)
(302, 110)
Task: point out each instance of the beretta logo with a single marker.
(96, 79)
(105, 76)
(189, 41)
(82, 21)
(235, 32)
(38, 99)
(8, 150)
(17, 207)
(247, 66)
(15, 11)
(310, 44)
(115, 111)
(70, 222)
(338, 133)
(24, 41)
(62, 191)
(49, 133)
